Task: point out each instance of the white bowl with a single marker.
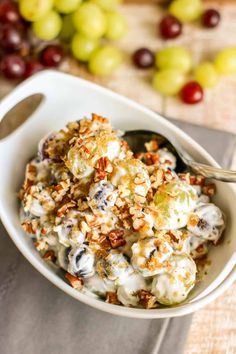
(68, 98)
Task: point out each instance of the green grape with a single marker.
(225, 61)
(66, 6)
(206, 75)
(68, 29)
(107, 5)
(83, 47)
(116, 25)
(33, 10)
(174, 58)
(105, 60)
(90, 20)
(48, 27)
(168, 82)
(186, 10)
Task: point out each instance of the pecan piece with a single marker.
(146, 299)
(151, 146)
(99, 119)
(138, 224)
(209, 189)
(75, 282)
(28, 227)
(64, 209)
(116, 238)
(96, 238)
(104, 164)
(151, 158)
(49, 256)
(112, 298)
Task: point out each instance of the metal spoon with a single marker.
(137, 138)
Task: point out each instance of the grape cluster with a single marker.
(174, 64)
(81, 27)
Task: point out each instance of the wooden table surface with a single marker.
(213, 330)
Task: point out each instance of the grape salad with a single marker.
(124, 228)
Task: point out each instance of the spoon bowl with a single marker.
(137, 138)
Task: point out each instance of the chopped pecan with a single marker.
(151, 158)
(146, 299)
(139, 199)
(75, 282)
(192, 180)
(65, 208)
(28, 227)
(83, 227)
(152, 145)
(209, 189)
(31, 168)
(150, 195)
(184, 177)
(116, 238)
(84, 151)
(96, 238)
(200, 180)
(92, 220)
(138, 224)
(124, 144)
(157, 178)
(99, 119)
(175, 235)
(112, 298)
(49, 256)
(193, 220)
(41, 244)
(43, 231)
(136, 212)
(104, 164)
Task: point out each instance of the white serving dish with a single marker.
(68, 98)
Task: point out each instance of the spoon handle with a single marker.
(212, 172)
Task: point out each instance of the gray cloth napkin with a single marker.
(38, 318)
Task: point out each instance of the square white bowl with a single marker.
(67, 98)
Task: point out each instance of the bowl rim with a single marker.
(180, 310)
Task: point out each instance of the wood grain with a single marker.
(213, 330)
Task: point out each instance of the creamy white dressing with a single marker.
(166, 158)
(99, 285)
(127, 292)
(174, 285)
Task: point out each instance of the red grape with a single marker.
(210, 18)
(10, 38)
(143, 58)
(52, 55)
(9, 12)
(12, 66)
(192, 93)
(170, 27)
(32, 67)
